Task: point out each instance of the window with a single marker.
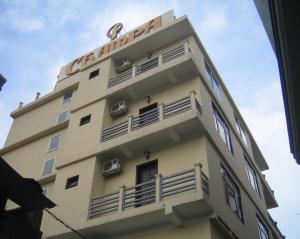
(85, 120)
(67, 97)
(212, 80)
(72, 182)
(62, 117)
(262, 229)
(251, 175)
(48, 167)
(54, 142)
(240, 130)
(45, 191)
(93, 74)
(222, 128)
(232, 194)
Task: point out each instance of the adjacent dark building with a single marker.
(281, 22)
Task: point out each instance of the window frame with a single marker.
(81, 119)
(232, 189)
(64, 100)
(92, 77)
(67, 115)
(214, 83)
(251, 170)
(261, 225)
(50, 150)
(53, 166)
(219, 119)
(241, 130)
(72, 178)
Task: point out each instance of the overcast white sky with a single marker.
(37, 37)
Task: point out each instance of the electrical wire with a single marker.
(66, 225)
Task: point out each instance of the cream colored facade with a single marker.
(182, 138)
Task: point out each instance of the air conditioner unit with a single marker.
(111, 167)
(118, 109)
(123, 65)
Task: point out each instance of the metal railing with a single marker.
(172, 54)
(178, 183)
(148, 65)
(177, 107)
(205, 185)
(150, 192)
(163, 111)
(145, 119)
(120, 78)
(140, 194)
(105, 204)
(114, 131)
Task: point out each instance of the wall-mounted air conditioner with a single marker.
(118, 109)
(111, 167)
(123, 65)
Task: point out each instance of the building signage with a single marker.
(82, 61)
(113, 32)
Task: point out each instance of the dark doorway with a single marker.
(145, 176)
(148, 115)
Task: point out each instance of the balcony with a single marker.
(168, 67)
(172, 199)
(274, 224)
(173, 121)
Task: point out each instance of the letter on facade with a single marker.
(153, 24)
(69, 68)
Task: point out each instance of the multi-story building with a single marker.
(141, 139)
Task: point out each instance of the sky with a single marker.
(38, 37)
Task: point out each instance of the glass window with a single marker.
(72, 182)
(67, 97)
(212, 80)
(232, 194)
(241, 130)
(48, 167)
(62, 117)
(93, 74)
(222, 128)
(251, 175)
(262, 229)
(45, 191)
(85, 120)
(54, 142)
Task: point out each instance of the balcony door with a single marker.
(145, 193)
(148, 115)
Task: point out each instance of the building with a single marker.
(2, 81)
(141, 139)
(280, 19)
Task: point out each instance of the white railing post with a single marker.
(198, 183)
(158, 187)
(161, 111)
(186, 47)
(160, 60)
(130, 120)
(193, 99)
(121, 198)
(133, 71)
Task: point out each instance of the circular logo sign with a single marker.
(113, 32)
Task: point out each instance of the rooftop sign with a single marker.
(113, 32)
(82, 61)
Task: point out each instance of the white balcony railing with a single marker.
(150, 192)
(164, 111)
(148, 65)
